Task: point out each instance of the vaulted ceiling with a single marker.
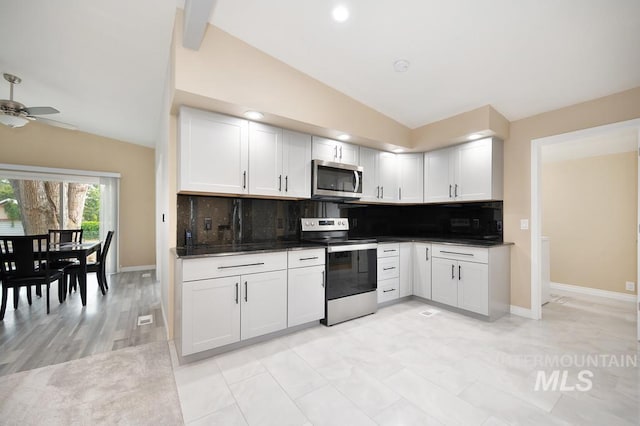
(104, 65)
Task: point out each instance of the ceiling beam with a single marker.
(196, 19)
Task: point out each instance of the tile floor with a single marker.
(398, 367)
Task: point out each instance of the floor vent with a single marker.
(429, 313)
(145, 320)
(146, 275)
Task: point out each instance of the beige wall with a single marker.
(40, 145)
(589, 212)
(517, 168)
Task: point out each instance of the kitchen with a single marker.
(211, 79)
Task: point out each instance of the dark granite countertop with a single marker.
(231, 249)
(443, 240)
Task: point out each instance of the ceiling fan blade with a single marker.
(41, 110)
(55, 123)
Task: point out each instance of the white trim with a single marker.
(164, 317)
(593, 292)
(57, 171)
(137, 268)
(536, 227)
(521, 312)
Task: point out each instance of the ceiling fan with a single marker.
(15, 114)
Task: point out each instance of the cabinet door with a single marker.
(388, 177)
(265, 160)
(444, 283)
(213, 153)
(473, 287)
(348, 153)
(324, 149)
(422, 270)
(410, 178)
(296, 166)
(306, 295)
(264, 303)
(438, 174)
(388, 290)
(211, 314)
(388, 267)
(406, 270)
(370, 185)
(473, 171)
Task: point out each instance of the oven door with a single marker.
(336, 181)
(351, 270)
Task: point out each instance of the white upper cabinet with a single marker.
(296, 164)
(472, 171)
(379, 177)
(213, 152)
(265, 159)
(279, 162)
(335, 151)
(410, 178)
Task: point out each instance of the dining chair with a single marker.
(58, 236)
(99, 267)
(23, 263)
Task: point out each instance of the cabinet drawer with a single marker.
(388, 290)
(471, 254)
(225, 266)
(301, 258)
(388, 267)
(388, 250)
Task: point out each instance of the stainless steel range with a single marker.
(351, 264)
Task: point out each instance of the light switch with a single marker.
(524, 224)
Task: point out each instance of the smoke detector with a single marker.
(401, 65)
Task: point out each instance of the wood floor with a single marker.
(29, 338)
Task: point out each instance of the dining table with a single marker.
(79, 251)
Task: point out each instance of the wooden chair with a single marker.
(99, 267)
(23, 263)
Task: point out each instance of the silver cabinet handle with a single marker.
(236, 293)
(455, 192)
(387, 291)
(450, 191)
(426, 253)
(399, 193)
(453, 268)
(241, 266)
(308, 258)
(244, 180)
(456, 252)
(389, 250)
(335, 151)
(389, 268)
(286, 184)
(382, 192)
(322, 279)
(341, 153)
(377, 191)
(459, 272)
(246, 292)
(280, 183)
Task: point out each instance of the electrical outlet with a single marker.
(207, 224)
(630, 286)
(524, 224)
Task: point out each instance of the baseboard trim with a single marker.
(164, 317)
(594, 292)
(137, 268)
(521, 312)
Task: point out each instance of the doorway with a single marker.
(560, 143)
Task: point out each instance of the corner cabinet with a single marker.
(410, 178)
(279, 162)
(422, 255)
(213, 152)
(472, 171)
(335, 151)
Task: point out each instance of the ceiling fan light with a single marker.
(13, 120)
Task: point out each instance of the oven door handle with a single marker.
(352, 247)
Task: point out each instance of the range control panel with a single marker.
(325, 224)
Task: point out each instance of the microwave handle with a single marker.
(357, 176)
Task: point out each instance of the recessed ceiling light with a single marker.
(254, 115)
(344, 137)
(340, 13)
(401, 65)
(398, 150)
(473, 136)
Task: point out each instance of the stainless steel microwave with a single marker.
(335, 181)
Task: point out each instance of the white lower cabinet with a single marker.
(388, 272)
(479, 284)
(264, 304)
(422, 270)
(406, 269)
(306, 295)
